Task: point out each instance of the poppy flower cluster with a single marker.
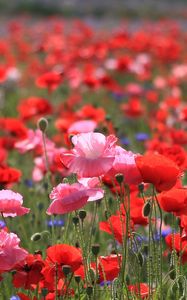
(93, 138)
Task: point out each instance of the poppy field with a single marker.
(93, 136)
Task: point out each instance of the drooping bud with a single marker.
(147, 209)
(36, 237)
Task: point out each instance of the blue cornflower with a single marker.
(103, 283)
(141, 136)
(117, 96)
(56, 223)
(29, 183)
(2, 224)
(125, 141)
(15, 298)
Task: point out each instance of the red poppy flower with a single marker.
(109, 267)
(13, 128)
(25, 297)
(141, 288)
(183, 224)
(158, 170)
(3, 155)
(3, 74)
(133, 108)
(57, 256)
(9, 175)
(175, 153)
(34, 107)
(178, 136)
(114, 226)
(49, 80)
(179, 243)
(136, 210)
(28, 272)
(174, 200)
(92, 113)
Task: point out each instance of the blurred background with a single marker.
(97, 8)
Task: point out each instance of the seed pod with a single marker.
(89, 290)
(75, 220)
(77, 278)
(82, 214)
(95, 249)
(66, 269)
(119, 178)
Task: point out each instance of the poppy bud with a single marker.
(89, 290)
(45, 234)
(119, 178)
(95, 249)
(66, 270)
(92, 274)
(65, 180)
(82, 214)
(40, 205)
(172, 273)
(106, 214)
(77, 245)
(75, 220)
(36, 237)
(147, 209)
(127, 280)
(140, 259)
(77, 278)
(43, 124)
(108, 118)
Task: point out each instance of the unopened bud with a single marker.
(147, 209)
(36, 237)
(43, 124)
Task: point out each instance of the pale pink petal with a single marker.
(83, 126)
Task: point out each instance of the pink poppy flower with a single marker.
(33, 140)
(67, 198)
(10, 252)
(93, 154)
(125, 164)
(82, 126)
(92, 185)
(54, 162)
(11, 204)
